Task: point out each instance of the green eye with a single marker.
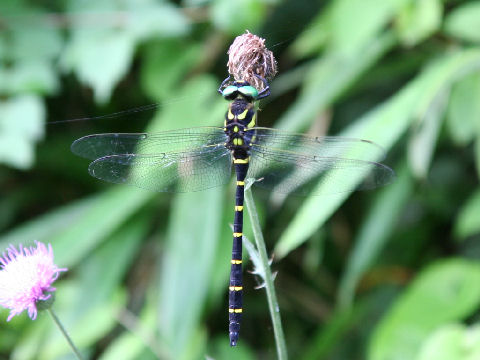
(229, 90)
(249, 91)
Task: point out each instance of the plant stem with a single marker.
(65, 334)
(271, 296)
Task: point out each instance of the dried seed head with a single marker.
(249, 56)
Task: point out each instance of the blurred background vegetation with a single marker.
(385, 274)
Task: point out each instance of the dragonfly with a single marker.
(199, 158)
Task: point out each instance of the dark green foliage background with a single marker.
(385, 274)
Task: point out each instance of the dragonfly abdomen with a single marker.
(235, 296)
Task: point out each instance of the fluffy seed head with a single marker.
(248, 56)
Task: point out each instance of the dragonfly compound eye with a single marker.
(230, 92)
(248, 91)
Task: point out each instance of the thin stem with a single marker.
(271, 296)
(65, 334)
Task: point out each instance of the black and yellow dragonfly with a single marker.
(199, 158)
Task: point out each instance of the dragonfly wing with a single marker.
(290, 172)
(100, 145)
(321, 146)
(182, 171)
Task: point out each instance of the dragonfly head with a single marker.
(240, 89)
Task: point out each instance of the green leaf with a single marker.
(192, 239)
(328, 77)
(424, 139)
(452, 342)
(28, 77)
(149, 18)
(99, 57)
(446, 291)
(376, 229)
(165, 65)
(467, 223)
(418, 20)
(93, 227)
(464, 22)
(21, 126)
(477, 154)
(237, 16)
(464, 109)
(383, 125)
(76, 229)
(355, 23)
(313, 39)
(203, 106)
(39, 43)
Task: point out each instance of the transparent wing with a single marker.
(320, 146)
(99, 145)
(182, 171)
(297, 173)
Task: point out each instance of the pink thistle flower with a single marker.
(26, 277)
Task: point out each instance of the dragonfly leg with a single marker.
(222, 85)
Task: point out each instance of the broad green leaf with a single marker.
(28, 77)
(383, 125)
(464, 109)
(151, 18)
(314, 38)
(418, 20)
(354, 24)
(76, 229)
(237, 16)
(376, 229)
(21, 126)
(91, 229)
(446, 291)
(99, 58)
(464, 22)
(328, 77)
(452, 342)
(387, 123)
(34, 43)
(192, 240)
(196, 104)
(165, 65)
(467, 222)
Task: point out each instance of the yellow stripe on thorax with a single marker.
(236, 262)
(252, 122)
(238, 208)
(236, 234)
(243, 114)
(241, 161)
(235, 288)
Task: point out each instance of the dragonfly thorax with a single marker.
(240, 118)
